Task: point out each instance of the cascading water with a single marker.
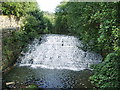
(54, 61)
(59, 52)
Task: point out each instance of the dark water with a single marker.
(49, 78)
(54, 62)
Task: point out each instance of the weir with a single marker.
(59, 52)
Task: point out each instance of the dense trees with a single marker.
(49, 18)
(98, 26)
(61, 19)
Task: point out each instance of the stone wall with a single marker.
(7, 22)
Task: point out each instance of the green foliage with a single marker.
(107, 73)
(48, 25)
(12, 46)
(31, 25)
(61, 19)
(50, 16)
(42, 24)
(18, 9)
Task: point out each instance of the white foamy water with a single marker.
(59, 52)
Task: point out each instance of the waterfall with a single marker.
(58, 52)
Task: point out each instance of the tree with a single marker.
(18, 9)
(61, 19)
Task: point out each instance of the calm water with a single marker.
(54, 62)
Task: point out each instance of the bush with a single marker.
(106, 74)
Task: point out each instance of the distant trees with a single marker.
(98, 26)
(50, 16)
(61, 18)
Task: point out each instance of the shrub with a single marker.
(107, 73)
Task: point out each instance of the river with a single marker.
(55, 61)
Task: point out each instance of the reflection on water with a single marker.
(50, 78)
(54, 62)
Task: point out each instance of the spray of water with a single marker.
(58, 52)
